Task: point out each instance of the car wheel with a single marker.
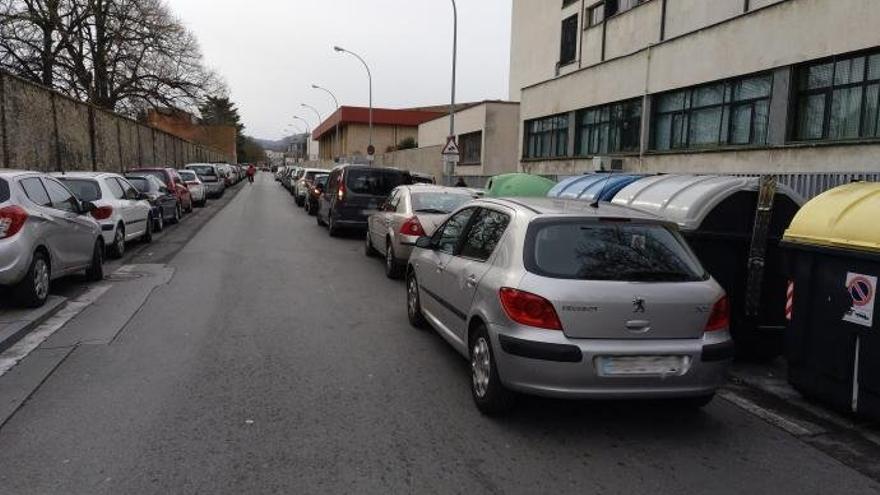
(148, 231)
(393, 270)
(95, 271)
(191, 207)
(318, 218)
(307, 207)
(178, 214)
(414, 302)
(490, 396)
(332, 229)
(160, 222)
(369, 250)
(33, 290)
(117, 249)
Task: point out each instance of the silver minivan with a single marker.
(45, 233)
(562, 298)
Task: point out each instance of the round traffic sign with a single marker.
(861, 291)
(371, 150)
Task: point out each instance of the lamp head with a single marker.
(339, 48)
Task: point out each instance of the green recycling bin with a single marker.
(833, 335)
(518, 186)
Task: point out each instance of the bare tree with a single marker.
(124, 55)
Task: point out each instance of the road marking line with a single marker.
(35, 338)
(795, 428)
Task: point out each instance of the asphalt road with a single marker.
(279, 360)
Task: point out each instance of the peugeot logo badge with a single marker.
(638, 305)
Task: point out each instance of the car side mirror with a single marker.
(425, 242)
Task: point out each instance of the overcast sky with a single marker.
(271, 51)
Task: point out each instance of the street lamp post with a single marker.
(308, 137)
(317, 114)
(370, 77)
(335, 102)
(451, 167)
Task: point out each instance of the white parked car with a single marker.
(195, 186)
(122, 211)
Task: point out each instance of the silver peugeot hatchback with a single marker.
(45, 233)
(563, 298)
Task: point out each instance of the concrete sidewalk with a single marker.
(15, 323)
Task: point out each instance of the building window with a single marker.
(613, 128)
(734, 112)
(547, 137)
(471, 148)
(568, 48)
(596, 13)
(839, 99)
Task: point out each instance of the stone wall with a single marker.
(43, 130)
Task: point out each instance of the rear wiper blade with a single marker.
(432, 210)
(659, 275)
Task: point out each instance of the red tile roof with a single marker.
(381, 116)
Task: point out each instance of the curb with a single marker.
(16, 323)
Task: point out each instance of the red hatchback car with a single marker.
(172, 179)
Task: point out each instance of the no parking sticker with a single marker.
(863, 291)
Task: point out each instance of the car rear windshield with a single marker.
(435, 202)
(321, 179)
(84, 189)
(142, 185)
(4, 191)
(187, 175)
(203, 170)
(310, 176)
(372, 182)
(610, 250)
(155, 173)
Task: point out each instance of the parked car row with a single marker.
(552, 297)
(53, 225)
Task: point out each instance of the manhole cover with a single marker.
(123, 276)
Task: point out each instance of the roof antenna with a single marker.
(595, 203)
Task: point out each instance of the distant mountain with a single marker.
(279, 144)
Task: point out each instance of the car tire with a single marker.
(414, 302)
(393, 270)
(332, 228)
(178, 214)
(491, 397)
(33, 290)
(95, 271)
(117, 249)
(369, 250)
(307, 207)
(299, 201)
(148, 231)
(318, 218)
(160, 222)
(191, 207)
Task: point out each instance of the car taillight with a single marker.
(719, 319)
(12, 219)
(529, 309)
(103, 213)
(340, 195)
(412, 226)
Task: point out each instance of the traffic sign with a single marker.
(371, 150)
(451, 148)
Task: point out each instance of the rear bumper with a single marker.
(546, 363)
(15, 259)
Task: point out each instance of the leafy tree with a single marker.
(408, 143)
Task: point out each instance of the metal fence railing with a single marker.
(811, 184)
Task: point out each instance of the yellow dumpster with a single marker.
(833, 335)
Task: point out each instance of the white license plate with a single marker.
(642, 365)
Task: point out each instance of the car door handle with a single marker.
(471, 281)
(638, 326)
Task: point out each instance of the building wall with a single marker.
(43, 130)
(705, 41)
(434, 132)
(425, 160)
(500, 140)
(356, 137)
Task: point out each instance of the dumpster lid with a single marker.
(587, 187)
(518, 185)
(687, 199)
(842, 217)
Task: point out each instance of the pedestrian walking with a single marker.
(251, 171)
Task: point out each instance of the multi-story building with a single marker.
(697, 85)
